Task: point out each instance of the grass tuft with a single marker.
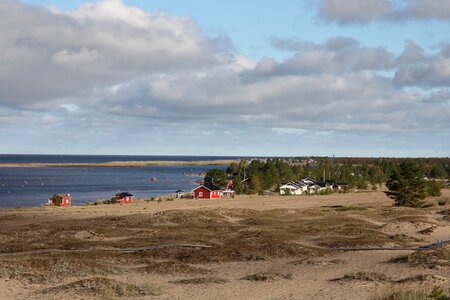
(267, 276)
(364, 276)
(350, 208)
(201, 280)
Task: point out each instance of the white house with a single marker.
(293, 188)
(305, 186)
(308, 181)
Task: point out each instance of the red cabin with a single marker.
(65, 200)
(203, 192)
(124, 198)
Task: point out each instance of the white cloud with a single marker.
(357, 11)
(59, 53)
(367, 11)
(110, 70)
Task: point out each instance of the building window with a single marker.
(200, 194)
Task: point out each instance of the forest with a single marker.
(259, 175)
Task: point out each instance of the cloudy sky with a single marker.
(197, 77)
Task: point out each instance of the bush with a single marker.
(113, 200)
(434, 188)
(57, 200)
(442, 202)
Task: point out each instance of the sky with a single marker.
(225, 78)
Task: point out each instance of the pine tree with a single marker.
(407, 186)
(216, 178)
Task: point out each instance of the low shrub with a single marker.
(442, 202)
(348, 208)
(434, 188)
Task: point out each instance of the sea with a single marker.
(21, 187)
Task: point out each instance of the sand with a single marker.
(263, 247)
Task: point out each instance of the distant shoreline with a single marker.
(121, 164)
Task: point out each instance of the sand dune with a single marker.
(256, 247)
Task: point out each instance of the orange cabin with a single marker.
(124, 198)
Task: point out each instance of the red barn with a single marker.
(65, 200)
(123, 198)
(203, 192)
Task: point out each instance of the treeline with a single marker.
(260, 175)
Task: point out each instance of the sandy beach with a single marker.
(249, 247)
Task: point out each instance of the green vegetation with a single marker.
(57, 200)
(259, 175)
(407, 186)
(217, 178)
(434, 188)
(113, 200)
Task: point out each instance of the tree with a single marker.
(217, 178)
(255, 184)
(406, 185)
(233, 168)
(438, 171)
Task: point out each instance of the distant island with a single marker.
(122, 164)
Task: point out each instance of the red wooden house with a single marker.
(124, 198)
(204, 192)
(65, 200)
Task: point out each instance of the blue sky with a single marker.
(313, 77)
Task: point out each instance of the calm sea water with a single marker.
(32, 186)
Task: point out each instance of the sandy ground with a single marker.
(287, 241)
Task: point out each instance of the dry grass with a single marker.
(267, 276)
(446, 213)
(173, 267)
(234, 235)
(104, 288)
(433, 258)
(201, 280)
(364, 276)
(436, 293)
(427, 231)
(416, 278)
(350, 208)
(52, 268)
(317, 262)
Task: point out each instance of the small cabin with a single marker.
(204, 192)
(124, 198)
(228, 193)
(59, 200)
